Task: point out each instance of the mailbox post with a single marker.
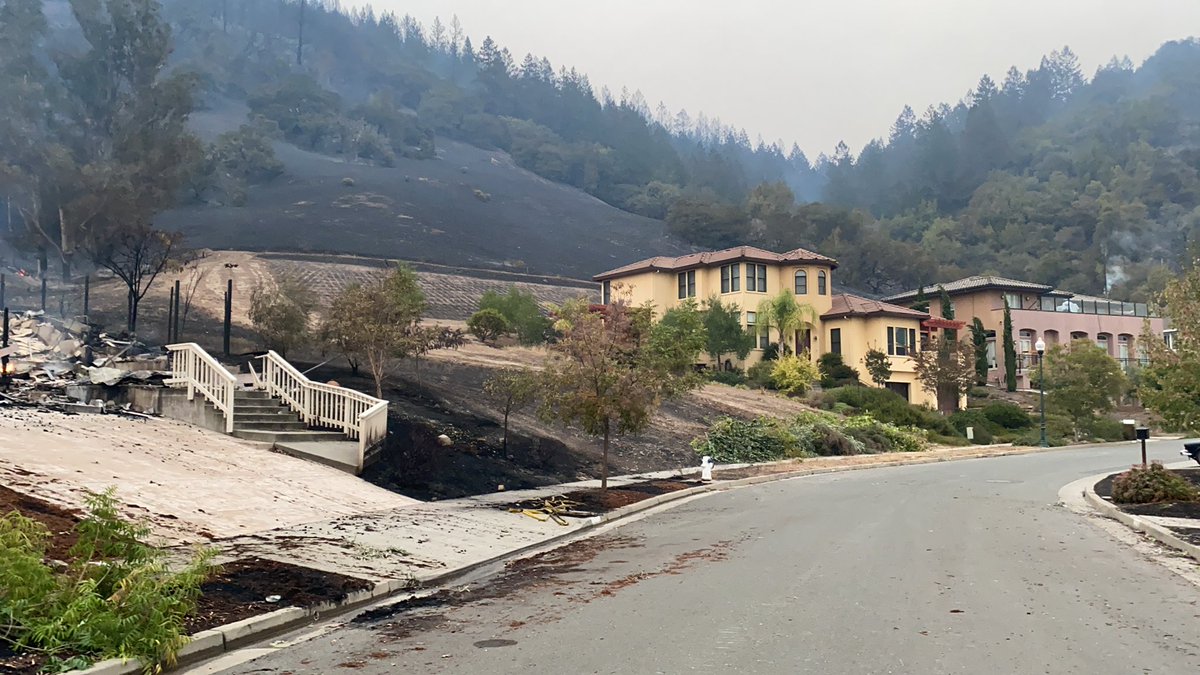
(1143, 434)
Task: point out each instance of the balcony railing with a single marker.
(1097, 307)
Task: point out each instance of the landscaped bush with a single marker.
(888, 406)
(834, 371)
(487, 325)
(759, 374)
(974, 418)
(1151, 485)
(793, 375)
(807, 435)
(732, 378)
(1107, 429)
(730, 440)
(1007, 415)
(115, 597)
(522, 312)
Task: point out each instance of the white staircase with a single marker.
(325, 423)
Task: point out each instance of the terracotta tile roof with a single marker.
(710, 258)
(973, 284)
(845, 304)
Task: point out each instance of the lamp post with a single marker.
(1041, 352)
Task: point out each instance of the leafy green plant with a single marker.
(115, 598)
(487, 325)
(732, 440)
(888, 406)
(522, 311)
(793, 375)
(982, 427)
(834, 371)
(1007, 415)
(759, 374)
(826, 439)
(732, 378)
(1151, 485)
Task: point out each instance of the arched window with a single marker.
(1103, 340)
(801, 282)
(1025, 342)
(822, 287)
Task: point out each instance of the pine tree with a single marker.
(1010, 351)
(947, 313)
(979, 339)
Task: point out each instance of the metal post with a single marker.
(2, 291)
(1042, 395)
(1144, 453)
(87, 297)
(170, 314)
(4, 345)
(43, 290)
(228, 313)
(175, 325)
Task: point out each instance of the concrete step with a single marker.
(255, 407)
(288, 436)
(251, 394)
(284, 424)
(280, 415)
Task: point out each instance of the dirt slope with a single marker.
(426, 210)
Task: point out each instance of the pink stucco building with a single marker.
(1040, 311)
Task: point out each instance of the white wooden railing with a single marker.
(354, 413)
(192, 367)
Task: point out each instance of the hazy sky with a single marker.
(810, 71)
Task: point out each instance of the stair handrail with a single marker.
(357, 415)
(196, 369)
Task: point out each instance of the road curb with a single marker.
(1134, 522)
(254, 629)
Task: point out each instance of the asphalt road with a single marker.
(961, 567)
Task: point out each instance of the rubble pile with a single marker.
(45, 355)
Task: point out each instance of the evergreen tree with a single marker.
(1010, 351)
(947, 313)
(979, 341)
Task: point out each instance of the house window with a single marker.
(1025, 342)
(1123, 348)
(1102, 342)
(762, 339)
(1169, 339)
(801, 282)
(835, 340)
(822, 286)
(1013, 300)
(901, 341)
(991, 352)
(687, 284)
(607, 293)
(756, 278)
(731, 278)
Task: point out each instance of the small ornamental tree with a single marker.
(281, 313)
(512, 389)
(724, 333)
(979, 342)
(521, 309)
(879, 366)
(947, 368)
(611, 370)
(378, 322)
(947, 313)
(1082, 382)
(786, 315)
(794, 375)
(1010, 350)
(1170, 385)
(487, 325)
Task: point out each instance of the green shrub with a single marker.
(953, 441)
(759, 374)
(115, 597)
(888, 406)
(824, 439)
(732, 378)
(487, 325)
(897, 439)
(793, 375)
(522, 311)
(1151, 485)
(974, 418)
(1107, 429)
(834, 371)
(771, 352)
(732, 440)
(978, 392)
(1007, 415)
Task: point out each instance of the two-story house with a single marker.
(1040, 311)
(744, 276)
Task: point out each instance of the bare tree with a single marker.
(136, 254)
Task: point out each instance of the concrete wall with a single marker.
(170, 403)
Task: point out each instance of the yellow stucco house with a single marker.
(745, 275)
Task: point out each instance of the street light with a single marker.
(1041, 350)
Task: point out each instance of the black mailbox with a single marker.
(1143, 433)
